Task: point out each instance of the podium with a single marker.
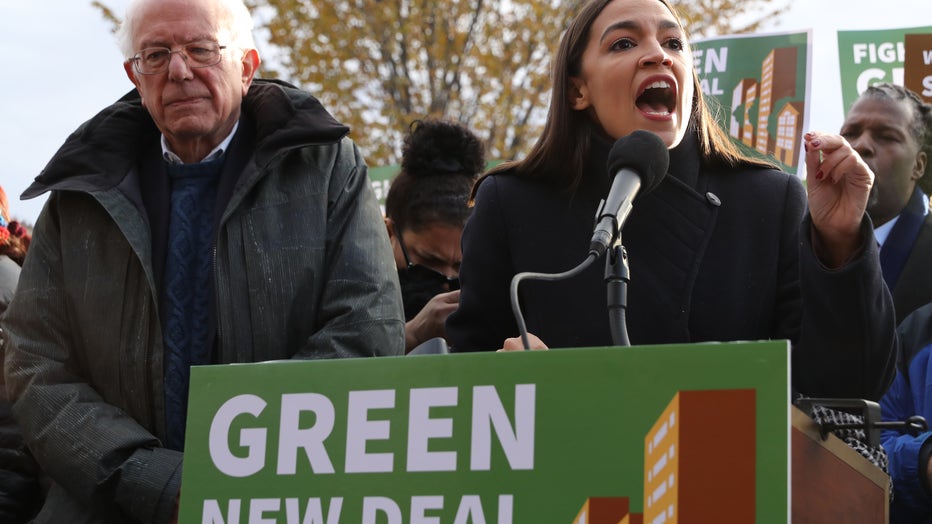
(831, 482)
(689, 433)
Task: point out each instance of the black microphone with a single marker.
(639, 162)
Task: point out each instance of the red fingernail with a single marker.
(819, 175)
(816, 143)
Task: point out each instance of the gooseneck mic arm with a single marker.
(549, 277)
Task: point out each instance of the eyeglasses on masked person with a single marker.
(420, 283)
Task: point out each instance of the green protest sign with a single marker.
(868, 57)
(502, 438)
(760, 84)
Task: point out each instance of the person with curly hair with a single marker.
(20, 492)
(426, 209)
(891, 128)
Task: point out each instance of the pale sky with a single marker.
(62, 66)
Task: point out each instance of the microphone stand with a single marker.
(616, 282)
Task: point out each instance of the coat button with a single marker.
(713, 199)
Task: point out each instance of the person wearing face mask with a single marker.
(425, 210)
(723, 249)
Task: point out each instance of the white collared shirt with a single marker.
(882, 232)
(172, 158)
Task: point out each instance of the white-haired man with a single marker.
(203, 218)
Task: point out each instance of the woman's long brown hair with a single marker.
(560, 154)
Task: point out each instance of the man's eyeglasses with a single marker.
(427, 272)
(155, 60)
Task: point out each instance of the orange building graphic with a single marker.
(699, 464)
(789, 132)
(778, 80)
(607, 510)
(699, 459)
(742, 99)
(748, 128)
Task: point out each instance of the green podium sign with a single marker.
(644, 434)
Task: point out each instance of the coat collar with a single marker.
(103, 150)
(685, 163)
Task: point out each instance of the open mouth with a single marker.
(657, 98)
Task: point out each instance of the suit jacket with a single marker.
(715, 254)
(913, 287)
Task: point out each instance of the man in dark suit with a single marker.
(891, 128)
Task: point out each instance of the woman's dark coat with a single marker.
(716, 254)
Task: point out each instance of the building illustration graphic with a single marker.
(742, 99)
(609, 510)
(789, 132)
(778, 81)
(699, 464)
(765, 114)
